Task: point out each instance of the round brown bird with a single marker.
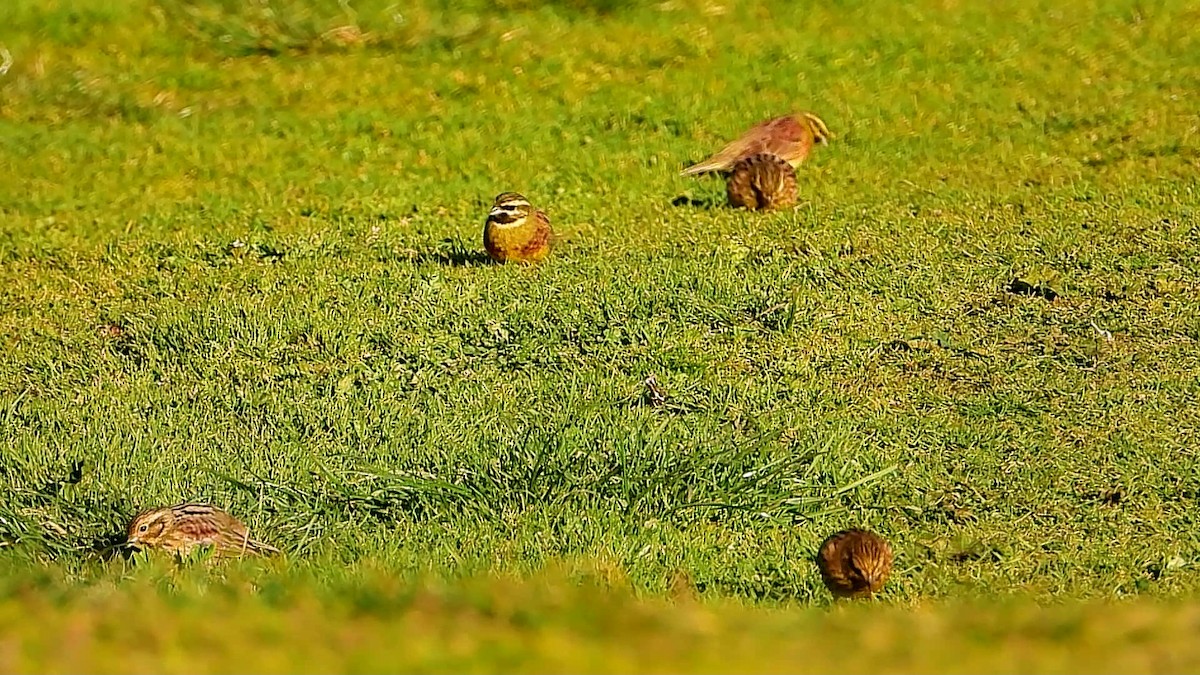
(515, 231)
(182, 528)
(762, 181)
(854, 563)
(790, 138)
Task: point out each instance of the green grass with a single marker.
(555, 623)
(240, 262)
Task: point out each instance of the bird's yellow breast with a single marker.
(528, 241)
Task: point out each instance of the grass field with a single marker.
(240, 262)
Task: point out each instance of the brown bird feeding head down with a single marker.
(181, 528)
(854, 563)
(790, 138)
(761, 181)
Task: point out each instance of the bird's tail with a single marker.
(245, 545)
(262, 548)
(703, 167)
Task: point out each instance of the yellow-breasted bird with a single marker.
(854, 563)
(515, 231)
(762, 181)
(790, 138)
(181, 528)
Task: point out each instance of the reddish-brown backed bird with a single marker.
(854, 563)
(181, 528)
(761, 181)
(790, 138)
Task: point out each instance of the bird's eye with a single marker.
(143, 528)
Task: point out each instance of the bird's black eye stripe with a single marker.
(505, 217)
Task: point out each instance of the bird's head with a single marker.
(871, 558)
(509, 209)
(816, 127)
(148, 528)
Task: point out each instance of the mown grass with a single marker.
(240, 263)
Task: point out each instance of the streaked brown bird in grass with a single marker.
(515, 231)
(181, 528)
(790, 138)
(854, 563)
(761, 181)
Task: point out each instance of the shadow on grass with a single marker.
(691, 202)
(456, 258)
(453, 252)
(109, 547)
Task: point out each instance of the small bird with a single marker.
(790, 137)
(181, 528)
(762, 181)
(654, 391)
(854, 563)
(515, 231)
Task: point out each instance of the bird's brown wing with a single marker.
(238, 542)
(543, 235)
(235, 538)
(204, 528)
(787, 139)
(778, 136)
(222, 531)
